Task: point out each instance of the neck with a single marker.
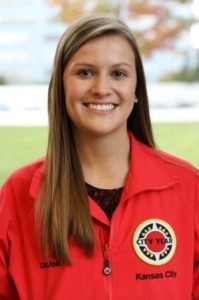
(104, 159)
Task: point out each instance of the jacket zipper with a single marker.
(107, 271)
(107, 264)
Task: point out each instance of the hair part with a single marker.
(62, 208)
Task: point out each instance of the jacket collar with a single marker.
(148, 170)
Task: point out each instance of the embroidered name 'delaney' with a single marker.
(51, 264)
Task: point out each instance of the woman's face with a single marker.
(99, 84)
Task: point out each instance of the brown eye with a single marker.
(119, 74)
(85, 73)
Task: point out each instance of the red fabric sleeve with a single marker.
(196, 250)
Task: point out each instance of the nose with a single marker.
(101, 86)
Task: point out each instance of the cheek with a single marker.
(129, 97)
(73, 92)
(129, 100)
(128, 90)
(72, 101)
(69, 92)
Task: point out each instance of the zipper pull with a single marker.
(107, 265)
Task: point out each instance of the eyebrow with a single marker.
(117, 65)
(123, 63)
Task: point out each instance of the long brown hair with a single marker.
(62, 209)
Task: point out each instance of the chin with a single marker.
(103, 132)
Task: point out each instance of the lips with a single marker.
(101, 107)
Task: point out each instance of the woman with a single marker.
(105, 215)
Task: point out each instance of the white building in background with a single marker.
(28, 39)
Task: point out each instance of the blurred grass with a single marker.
(20, 145)
(181, 139)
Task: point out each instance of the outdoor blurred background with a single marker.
(168, 36)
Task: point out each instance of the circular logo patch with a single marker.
(154, 242)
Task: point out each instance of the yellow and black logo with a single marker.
(154, 242)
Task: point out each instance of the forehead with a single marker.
(109, 45)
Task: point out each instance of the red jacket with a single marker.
(149, 250)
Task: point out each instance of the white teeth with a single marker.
(102, 107)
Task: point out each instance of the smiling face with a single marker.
(99, 84)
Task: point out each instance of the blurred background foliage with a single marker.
(166, 22)
(162, 29)
(157, 26)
